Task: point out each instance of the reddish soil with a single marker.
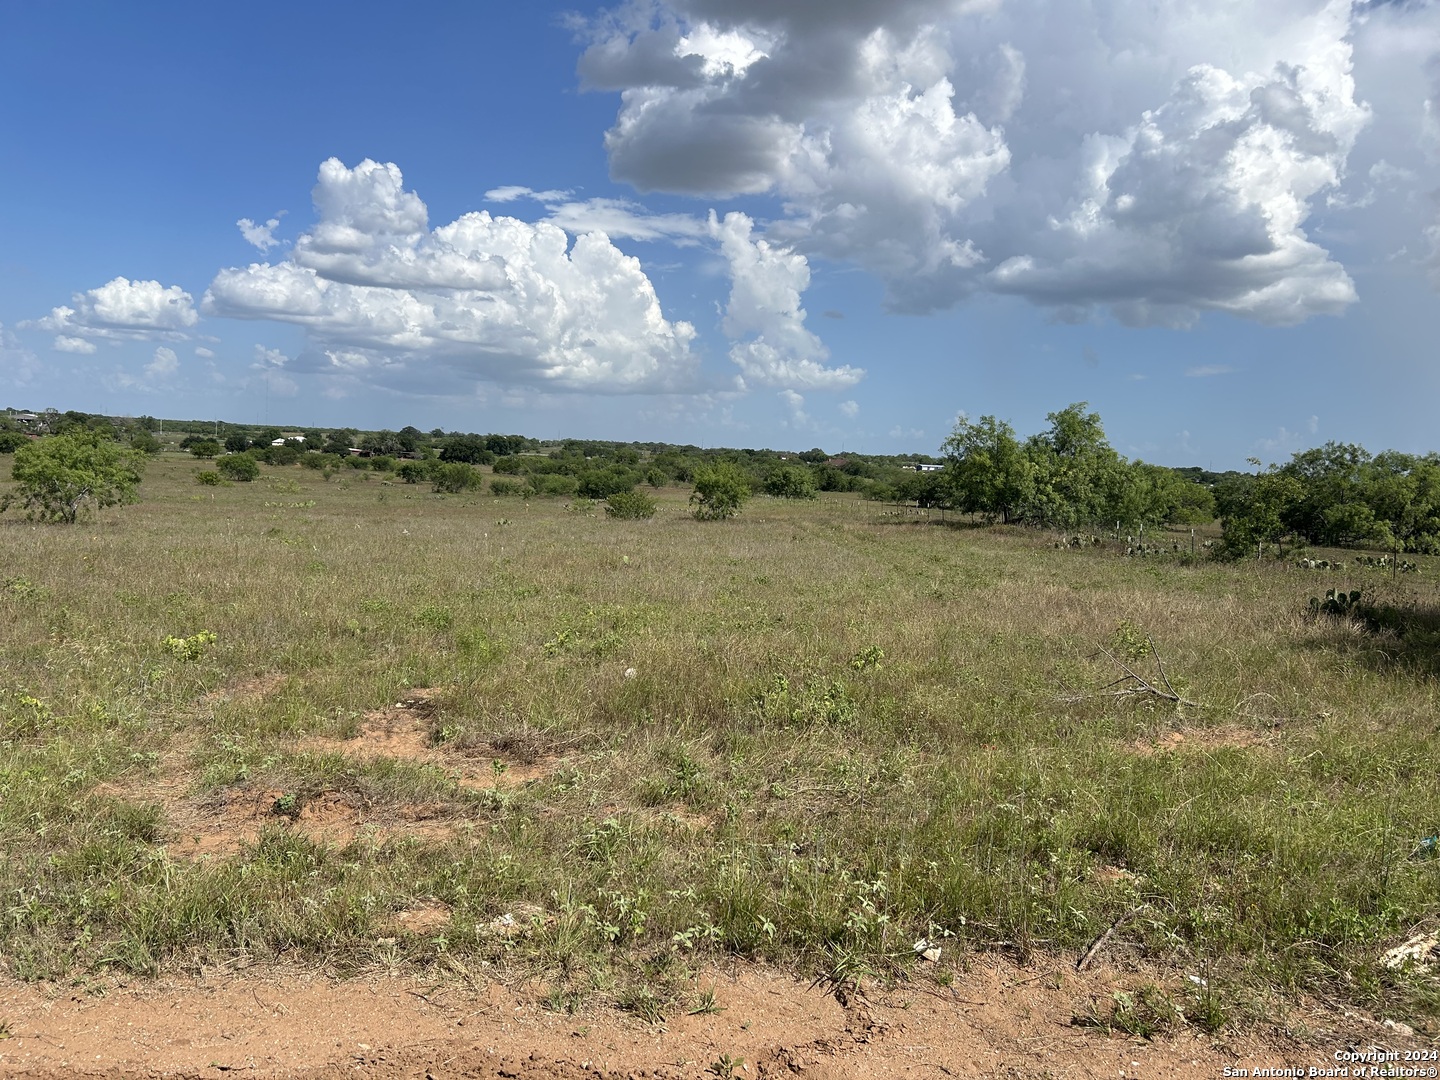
(994, 1021)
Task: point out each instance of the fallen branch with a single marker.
(1132, 682)
(1104, 939)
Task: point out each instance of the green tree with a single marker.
(146, 443)
(204, 448)
(789, 482)
(60, 476)
(237, 442)
(240, 467)
(453, 477)
(721, 489)
(1261, 514)
(986, 469)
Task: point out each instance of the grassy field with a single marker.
(811, 735)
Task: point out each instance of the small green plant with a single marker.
(1337, 604)
(434, 617)
(1130, 643)
(1144, 1013)
(209, 478)
(630, 506)
(705, 1003)
(190, 648)
(726, 1067)
(870, 657)
(286, 806)
(644, 1003)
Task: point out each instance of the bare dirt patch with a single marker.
(253, 688)
(402, 731)
(996, 1020)
(223, 823)
(1188, 740)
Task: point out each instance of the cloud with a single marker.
(764, 319)
(260, 235)
(1208, 371)
(1312, 425)
(483, 298)
(616, 218)
(796, 404)
(18, 365)
(625, 220)
(65, 343)
(511, 192)
(1284, 441)
(204, 353)
(121, 309)
(1158, 160)
(164, 364)
(268, 366)
(849, 409)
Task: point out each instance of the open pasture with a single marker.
(353, 723)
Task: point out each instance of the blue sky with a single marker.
(754, 222)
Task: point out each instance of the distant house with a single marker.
(25, 418)
(838, 462)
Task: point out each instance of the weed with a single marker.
(189, 649)
(705, 1003)
(726, 1067)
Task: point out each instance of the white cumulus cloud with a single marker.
(261, 236)
(491, 298)
(66, 343)
(1156, 158)
(764, 319)
(120, 309)
(849, 409)
(163, 364)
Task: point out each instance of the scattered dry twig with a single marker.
(1104, 939)
(1132, 682)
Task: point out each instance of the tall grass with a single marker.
(811, 734)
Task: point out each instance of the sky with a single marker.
(757, 223)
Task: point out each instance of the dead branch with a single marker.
(1104, 939)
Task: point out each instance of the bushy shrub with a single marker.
(412, 472)
(209, 478)
(240, 467)
(791, 483)
(508, 487)
(141, 440)
(10, 441)
(555, 484)
(720, 489)
(204, 448)
(383, 463)
(453, 477)
(602, 483)
(630, 505)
